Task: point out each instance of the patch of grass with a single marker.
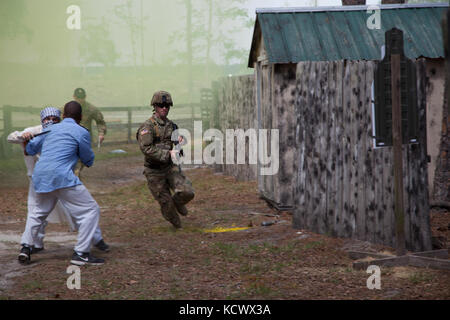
(105, 284)
(12, 164)
(313, 244)
(106, 156)
(229, 250)
(207, 261)
(335, 280)
(419, 277)
(259, 288)
(251, 268)
(33, 285)
(163, 229)
(97, 296)
(254, 248)
(190, 229)
(278, 266)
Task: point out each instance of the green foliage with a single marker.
(121, 54)
(214, 23)
(96, 45)
(12, 13)
(419, 277)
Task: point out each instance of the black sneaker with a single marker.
(85, 258)
(36, 250)
(24, 256)
(101, 245)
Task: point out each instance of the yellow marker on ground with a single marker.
(220, 229)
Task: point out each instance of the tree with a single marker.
(96, 45)
(210, 26)
(11, 19)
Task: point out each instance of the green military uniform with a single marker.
(92, 113)
(89, 113)
(154, 137)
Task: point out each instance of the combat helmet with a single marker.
(79, 93)
(161, 97)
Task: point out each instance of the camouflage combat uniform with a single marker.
(91, 113)
(154, 137)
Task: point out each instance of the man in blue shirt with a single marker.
(61, 145)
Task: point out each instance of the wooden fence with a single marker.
(125, 127)
(235, 110)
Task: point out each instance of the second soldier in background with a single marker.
(90, 113)
(154, 137)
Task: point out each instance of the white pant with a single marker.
(58, 215)
(83, 209)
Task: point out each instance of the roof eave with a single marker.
(350, 8)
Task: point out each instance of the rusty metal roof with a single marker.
(291, 35)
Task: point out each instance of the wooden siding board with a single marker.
(309, 149)
(353, 128)
(361, 151)
(369, 171)
(331, 145)
(339, 131)
(346, 144)
(299, 194)
(323, 113)
(424, 239)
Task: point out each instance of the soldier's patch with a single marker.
(144, 131)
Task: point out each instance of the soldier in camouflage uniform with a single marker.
(154, 137)
(89, 113)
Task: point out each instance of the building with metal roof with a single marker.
(290, 35)
(314, 83)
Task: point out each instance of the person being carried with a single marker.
(61, 146)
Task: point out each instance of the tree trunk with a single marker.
(208, 46)
(189, 51)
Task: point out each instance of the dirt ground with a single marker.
(151, 260)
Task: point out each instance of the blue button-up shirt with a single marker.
(60, 149)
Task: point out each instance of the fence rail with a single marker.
(128, 126)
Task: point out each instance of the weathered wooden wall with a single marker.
(344, 186)
(277, 90)
(236, 110)
(442, 178)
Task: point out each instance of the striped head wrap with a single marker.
(50, 111)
